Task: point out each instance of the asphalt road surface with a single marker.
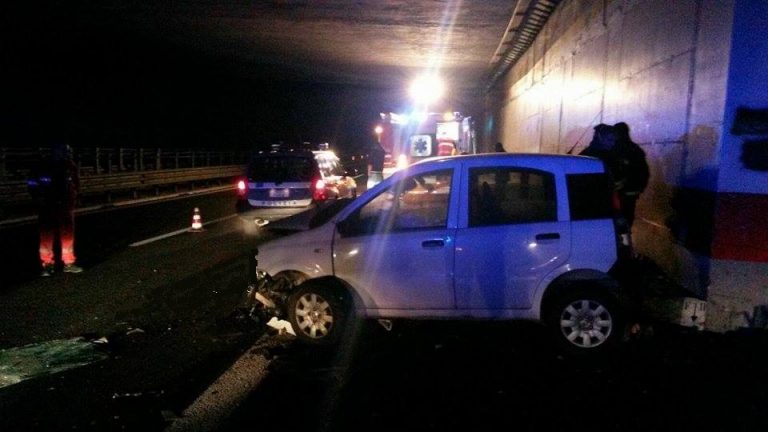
(159, 347)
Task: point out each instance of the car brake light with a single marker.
(318, 193)
(241, 187)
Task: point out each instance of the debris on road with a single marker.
(282, 326)
(29, 361)
(134, 331)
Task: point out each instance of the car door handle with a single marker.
(548, 236)
(433, 243)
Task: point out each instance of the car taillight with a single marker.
(318, 190)
(241, 187)
(616, 202)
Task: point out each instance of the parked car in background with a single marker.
(293, 178)
(493, 236)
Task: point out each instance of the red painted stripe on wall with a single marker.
(741, 227)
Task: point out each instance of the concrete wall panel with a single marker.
(579, 115)
(653, 102)
(655, 30)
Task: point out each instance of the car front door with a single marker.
(510, 237)
(397, 250)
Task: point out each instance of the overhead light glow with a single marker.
(426, 89)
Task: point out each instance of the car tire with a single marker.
(317, 313)
(585, 321)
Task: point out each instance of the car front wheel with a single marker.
(317, 313)
(585, 321)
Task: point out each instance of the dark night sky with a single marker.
(66, 78)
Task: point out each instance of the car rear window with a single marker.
(590, 196)
(330, 166)
(280, 168)
(510, 195)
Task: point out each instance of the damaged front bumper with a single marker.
(266, 296)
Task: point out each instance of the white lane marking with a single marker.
(118, 205)
(219, 400)
(177, 232)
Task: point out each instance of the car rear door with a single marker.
(281, 180)
(512, 232)
(397, 250)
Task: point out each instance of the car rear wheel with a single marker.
(585, 320)
(317, 313)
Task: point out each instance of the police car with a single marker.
(293, 178)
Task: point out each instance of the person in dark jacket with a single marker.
(602, 147)
(632, 170)
(54, 186)
(602, 144)
(375, 165)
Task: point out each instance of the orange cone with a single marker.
(197, 220)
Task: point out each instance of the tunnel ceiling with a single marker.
(370, 42)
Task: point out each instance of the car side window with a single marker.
(509, 195)
(416, 202)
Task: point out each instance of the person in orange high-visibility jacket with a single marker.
(54, 186)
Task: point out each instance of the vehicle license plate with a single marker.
(279, 193)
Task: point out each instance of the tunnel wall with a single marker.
(663, 67)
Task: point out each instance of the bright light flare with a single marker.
(426, 89)
(402, 161)
(378, 130)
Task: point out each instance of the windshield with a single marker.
(330, 166)
(282, 168)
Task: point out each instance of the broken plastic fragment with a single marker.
(282, 326)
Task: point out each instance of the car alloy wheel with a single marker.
(586, 323)
(314, 315)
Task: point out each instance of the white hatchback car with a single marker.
(493, 236)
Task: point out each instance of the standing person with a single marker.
(602, 144)
(375, 165)
(54, 187)
(602, 147)
(633, 167)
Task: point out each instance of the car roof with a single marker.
(325, 153)
(567, 163)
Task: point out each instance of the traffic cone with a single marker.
(197, 220)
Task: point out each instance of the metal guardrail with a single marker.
(108, 171)
(16, 163)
